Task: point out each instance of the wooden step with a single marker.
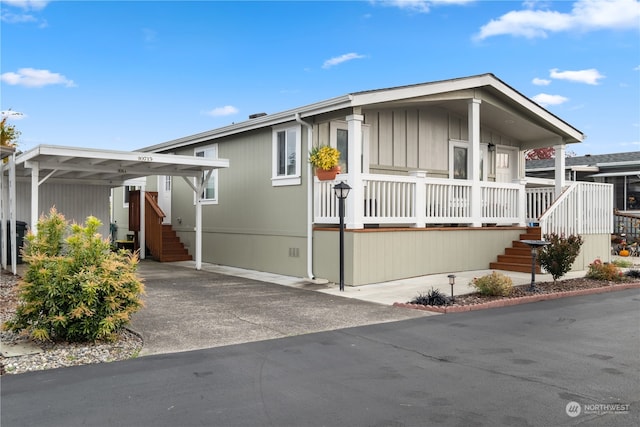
(515, 259)
(513, 267)
(518, 256)
(520, 251)
(532, 233)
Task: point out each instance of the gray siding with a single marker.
(75, 201)
(374, 256)
(254, 225)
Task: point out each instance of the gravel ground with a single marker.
(541, 288)
(55, 355)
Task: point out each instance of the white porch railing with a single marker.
(583, 208)
(539, 199)
(417, 201)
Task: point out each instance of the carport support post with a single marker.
(199, 195)
(198, 232)
(35, 185)
(141, 238)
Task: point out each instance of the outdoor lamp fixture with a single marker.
(492, 147)
(342, 191)
(534, 245)
(452, 281)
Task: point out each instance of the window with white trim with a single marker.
(210, 192)
(286, 156)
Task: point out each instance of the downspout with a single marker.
(309, 201)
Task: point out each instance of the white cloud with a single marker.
(12, 115)
(637, 68)
(22, 17)
(586, 15)
(419, 6)
(340, 59)
(545, 99)
(227, 110)
(541, 82)
(590, 76)
(31, 77)
(12, 18)
(27, 4)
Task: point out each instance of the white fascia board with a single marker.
(420, 90)
(615, 164)
(124, 156)
(574, 134)
(577, 168)
(269, 120)
(584, 168)
(57, 157)
(605, 174)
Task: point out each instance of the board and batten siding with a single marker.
(375, 256)
(254, 225)
(75, 201)
(418, 138)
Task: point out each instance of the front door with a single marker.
(164, 197)
(506, 164)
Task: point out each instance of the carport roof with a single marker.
(108, 167)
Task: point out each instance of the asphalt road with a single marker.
(516, 366)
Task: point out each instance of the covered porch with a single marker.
(415, 226)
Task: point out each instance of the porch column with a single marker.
(474, 149)
(355, 204)
(560, 165)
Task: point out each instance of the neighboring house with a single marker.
(436, 172)
(622, 170)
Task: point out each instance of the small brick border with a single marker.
(506, 302)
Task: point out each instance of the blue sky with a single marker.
(126, 75)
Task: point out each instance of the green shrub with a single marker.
(558, 256)
(75, 288)
(604, 271)
(622, 263)
(494, 284)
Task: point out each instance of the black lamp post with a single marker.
(452, 281)
(534, 245)
(342, 191)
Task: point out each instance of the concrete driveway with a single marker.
(187, 309)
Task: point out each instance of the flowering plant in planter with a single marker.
(324, 157)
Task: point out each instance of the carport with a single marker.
(72, 165)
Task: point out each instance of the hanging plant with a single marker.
(324, 157)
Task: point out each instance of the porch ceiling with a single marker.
(107, 167)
